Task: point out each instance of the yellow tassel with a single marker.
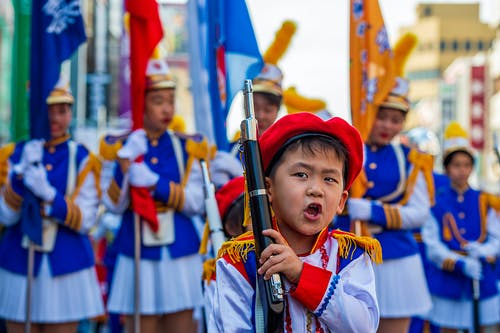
(402, 51)
(195, 150)
(5, 153)
(280, 44)
(209, 270)
(108, 151)
(349, 242)
(297, 103)
(177, 124)
(204, 239)
(237, 249)
(247, 220)
(93, 165)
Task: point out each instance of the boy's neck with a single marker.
(300, 244)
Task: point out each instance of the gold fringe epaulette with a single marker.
(421, 162)
(93, 165)
(237, 249)
(109, 146)
(348, 242)
(493, 201)
(208, 270)
(5, 153)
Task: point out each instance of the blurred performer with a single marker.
(64, 176)
(425, 141)
(162, 161)
(462, 239)
(397, 191)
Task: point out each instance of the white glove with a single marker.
(136, 145)
(472, 268)
(359, 209)
(140, 175)
(223, 168)
(35, 179)
(32, 153)
(478, 250)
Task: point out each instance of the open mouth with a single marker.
(313, 210)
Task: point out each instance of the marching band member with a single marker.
(170, 268)
(64, 176)
(309, 166)
(462, 239)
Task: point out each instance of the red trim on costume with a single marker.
(313, 283)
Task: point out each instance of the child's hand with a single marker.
(279, 258)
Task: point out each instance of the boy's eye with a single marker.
(300, 174)
(331, 180)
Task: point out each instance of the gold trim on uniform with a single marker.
(372, 165)
(48, 167)
(449, 264)
(393, 217)
(176, 197)
(12, 199)
(73, 215)
(154, 160)
(114, 191)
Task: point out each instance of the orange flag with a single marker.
(372, 74)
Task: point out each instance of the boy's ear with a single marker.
(342, 202)
(267, 181)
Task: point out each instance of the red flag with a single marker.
(145, 33)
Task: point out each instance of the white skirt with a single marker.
(166, 285)
(457, 314)
(65, 298)
(402, 288)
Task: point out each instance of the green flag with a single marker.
(19, 126)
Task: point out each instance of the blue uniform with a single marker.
(74, 173)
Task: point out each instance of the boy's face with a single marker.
(59, 119)
(159, 109)
(459, 169)
(306, 191)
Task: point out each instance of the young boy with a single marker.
(309, 165)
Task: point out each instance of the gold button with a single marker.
(462, 231)
(373, 148)
(48, 167)
(461, 215)
(371, 184)
(154, 160)
(52, 150)
(154, 143)
(460, 198)
(372, 165)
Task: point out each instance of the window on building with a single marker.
(454, 45)
(480, 45)
(467, 45)
(442, 45)
(427, 11)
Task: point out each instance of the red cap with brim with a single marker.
(229, 193)
(298, 125)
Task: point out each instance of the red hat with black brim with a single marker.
(292, 127)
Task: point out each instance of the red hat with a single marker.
(229, 193)
(294, 126)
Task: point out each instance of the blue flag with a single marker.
(56, 32)
(225, 31)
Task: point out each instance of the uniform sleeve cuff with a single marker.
(312, 286)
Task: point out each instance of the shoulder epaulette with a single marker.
(5, 153)
(109, 146)
(209, 270)
(492, 200)
(93, 165)
(237, 249)
(424, 163)
(349, 242)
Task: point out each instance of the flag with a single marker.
(145, 33)
(56, 32)
(372, 74)
(225, 28)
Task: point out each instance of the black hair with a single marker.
(312, 143)
(447, 159)
(234, 218)
(271, 98)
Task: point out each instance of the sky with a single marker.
(316, 61)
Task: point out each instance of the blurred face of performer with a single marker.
(388, 124)
(159, 109)
(266, 111)
(459, 170)
(59, 119)
(306, 191)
